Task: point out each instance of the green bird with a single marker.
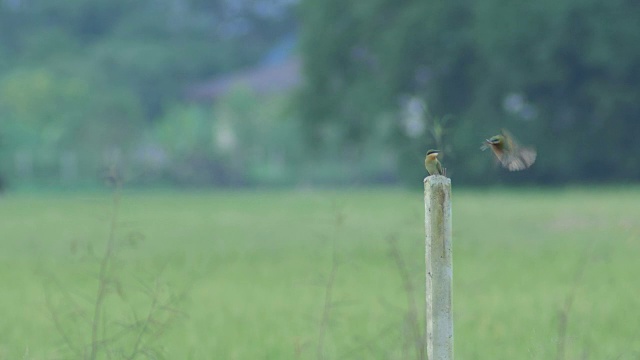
(510, 155)
(432, 164)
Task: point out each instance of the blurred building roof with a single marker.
(268, 78)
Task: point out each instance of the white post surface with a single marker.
(437, 222)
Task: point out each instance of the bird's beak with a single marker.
(488, 141)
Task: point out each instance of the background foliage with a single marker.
(87, 83)
(90, 83)
(560, 74)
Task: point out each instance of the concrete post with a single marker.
(439, 264)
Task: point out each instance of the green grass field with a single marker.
(245, 275)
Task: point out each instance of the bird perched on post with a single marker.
(432, 164)
(510, 155)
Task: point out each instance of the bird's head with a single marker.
(432, 154)
(497, 140)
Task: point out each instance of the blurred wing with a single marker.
(508, 137)
(519, 159)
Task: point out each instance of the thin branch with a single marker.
(373, 344)
(58, 325)
(327, 304)
(104, 265)
(144, 326)
(563, 314)
(328, 293)
(412, 308)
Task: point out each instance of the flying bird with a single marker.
(510, 155)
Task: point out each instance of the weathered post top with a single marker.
(439, 266)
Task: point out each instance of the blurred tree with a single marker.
(153, 46)
(560, 74)
(94, 75)
(50, 113)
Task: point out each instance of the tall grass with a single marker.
(256, 266)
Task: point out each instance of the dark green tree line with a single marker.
(562, 75)
(88, 76)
